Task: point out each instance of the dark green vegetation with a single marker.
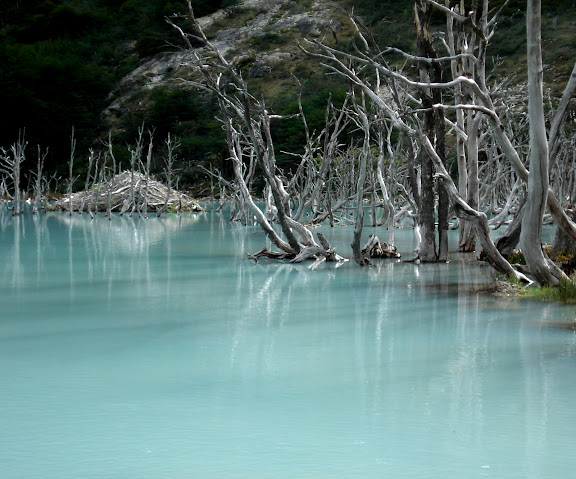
(60, 60)
(391, 22)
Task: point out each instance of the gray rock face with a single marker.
(270, 16)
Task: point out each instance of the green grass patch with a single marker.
(564, 293)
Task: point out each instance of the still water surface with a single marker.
(157, 349)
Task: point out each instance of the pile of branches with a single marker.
(373, 249)
(128, 191)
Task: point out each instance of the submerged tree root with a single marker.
(374, 248)
(379, 249)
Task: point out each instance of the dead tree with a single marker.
(312, 181)
(344, 64)
(338, 61)
(485, 104)
(39, 182)
(71, 178)
(455, 43)
(146, 168)
(96, 185)
(88, 179)
(171, 147)
(383, 136)
(469, 41)
(544, 270)
(135, 162)
(11, 166)
(247, 121)
(108, 180)
(361, 119)
(426, 215)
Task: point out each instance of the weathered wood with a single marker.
(38, 190)
(540, 265)
(11, 165)
(311, 252)
(248, 127)
(508, 241)
(426, 214)
(564, 244)
(266, 253)
(332, 256)
(375, 248)
(362, 122)
(171, 147)
(112, 193)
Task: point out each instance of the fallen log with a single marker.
(266, 253)
(324, 252)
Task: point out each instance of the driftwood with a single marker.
(375, 248)
(312, 251)
(266, 253)
(128, 191)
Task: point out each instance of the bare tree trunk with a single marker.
(426, 208)
(11, 166)
(235, 150)
(468, 236)
(508, 241)
(95, 187)
(443, 196)
(87, 180)
(147, 175)
(171, 147)
(18, 155)
(531, 236)
(387, 218)
(135, 160)
(71, 172)
(110, 183)
(373, 197)
(366, 153)
(39, 180)
(456, 68)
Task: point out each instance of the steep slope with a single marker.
(261, 37)
(59, 60)
(101, 65)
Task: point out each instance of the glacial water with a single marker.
(156, 349)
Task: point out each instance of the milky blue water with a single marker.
(157, 349)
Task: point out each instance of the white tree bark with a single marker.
(366, 153)
(11, 166)
(540, 266)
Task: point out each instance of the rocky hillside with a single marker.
(121, 63)
(259, 35)
(262, 38)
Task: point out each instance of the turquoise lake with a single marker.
(156, 349)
